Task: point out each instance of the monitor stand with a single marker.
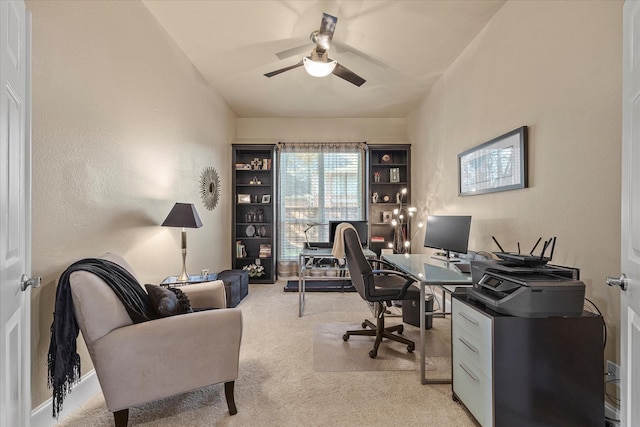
(447, 257)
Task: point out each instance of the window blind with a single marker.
(319, 182)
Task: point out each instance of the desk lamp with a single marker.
(183, 215)
(306, 235)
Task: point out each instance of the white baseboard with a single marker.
(83, 391)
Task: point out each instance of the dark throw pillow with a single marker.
(184, 305)
(168, 301)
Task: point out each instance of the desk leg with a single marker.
(423, 311)
(301, 284)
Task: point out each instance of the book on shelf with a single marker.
(265, 250)
(377, 239)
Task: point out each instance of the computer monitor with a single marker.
(362, 227)
(449, 233)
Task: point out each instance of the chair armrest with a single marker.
(206, 294)
(148, 361)
(384, 263)
(393, 273)
(382, 294)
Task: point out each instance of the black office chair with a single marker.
(377, 287)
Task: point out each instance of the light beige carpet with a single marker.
(278, 386)
(332, 354)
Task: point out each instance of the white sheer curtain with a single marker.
(319, 182)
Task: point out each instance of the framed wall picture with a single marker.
(496, 165)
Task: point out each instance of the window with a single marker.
(319, 182)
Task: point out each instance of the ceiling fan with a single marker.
(318, 63)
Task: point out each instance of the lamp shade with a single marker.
(318, 68)
(183, 215)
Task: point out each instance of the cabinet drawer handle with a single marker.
(467, 318)
(473, 377)
(469, 346)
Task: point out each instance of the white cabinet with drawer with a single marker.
(514, 371)
(471, 360)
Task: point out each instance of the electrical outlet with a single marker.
(613, 370)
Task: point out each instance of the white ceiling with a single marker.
(400, 47)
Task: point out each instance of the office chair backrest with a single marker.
(357, 263)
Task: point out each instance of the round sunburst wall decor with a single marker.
(209, 187)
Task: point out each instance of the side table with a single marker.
(172, 281)
(236, 284)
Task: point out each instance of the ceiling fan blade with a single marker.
(338, 47)
(287, 53)
(325, 34)
(282, 70)
(348, 75)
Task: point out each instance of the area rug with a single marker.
(332, 354)
(321, 286)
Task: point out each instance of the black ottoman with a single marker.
(236, 285)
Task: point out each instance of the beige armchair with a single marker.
(144, 362)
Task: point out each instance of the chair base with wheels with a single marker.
(380, 331)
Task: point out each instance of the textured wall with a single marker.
(555, 67)
(371, 130)
(123, 125)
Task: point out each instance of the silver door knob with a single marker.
(26, 281)
(620, 281)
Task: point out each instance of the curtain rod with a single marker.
(362, 145)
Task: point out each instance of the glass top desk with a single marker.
(308, 257)
(429, 272)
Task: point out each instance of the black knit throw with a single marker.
(63, 360)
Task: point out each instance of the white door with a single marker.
(630, 239)
(15, 217)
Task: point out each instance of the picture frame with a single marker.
(266, 198)
(387, 216)
(240, 250)
(244, 198)
(394, 175)
(496, 165)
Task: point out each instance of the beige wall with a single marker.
(123, 125)
(555, 67)
(371, 130)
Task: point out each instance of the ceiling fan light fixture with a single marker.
(318, 68)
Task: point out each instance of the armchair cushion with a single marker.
(206, 295)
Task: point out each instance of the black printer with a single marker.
(527, 289)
